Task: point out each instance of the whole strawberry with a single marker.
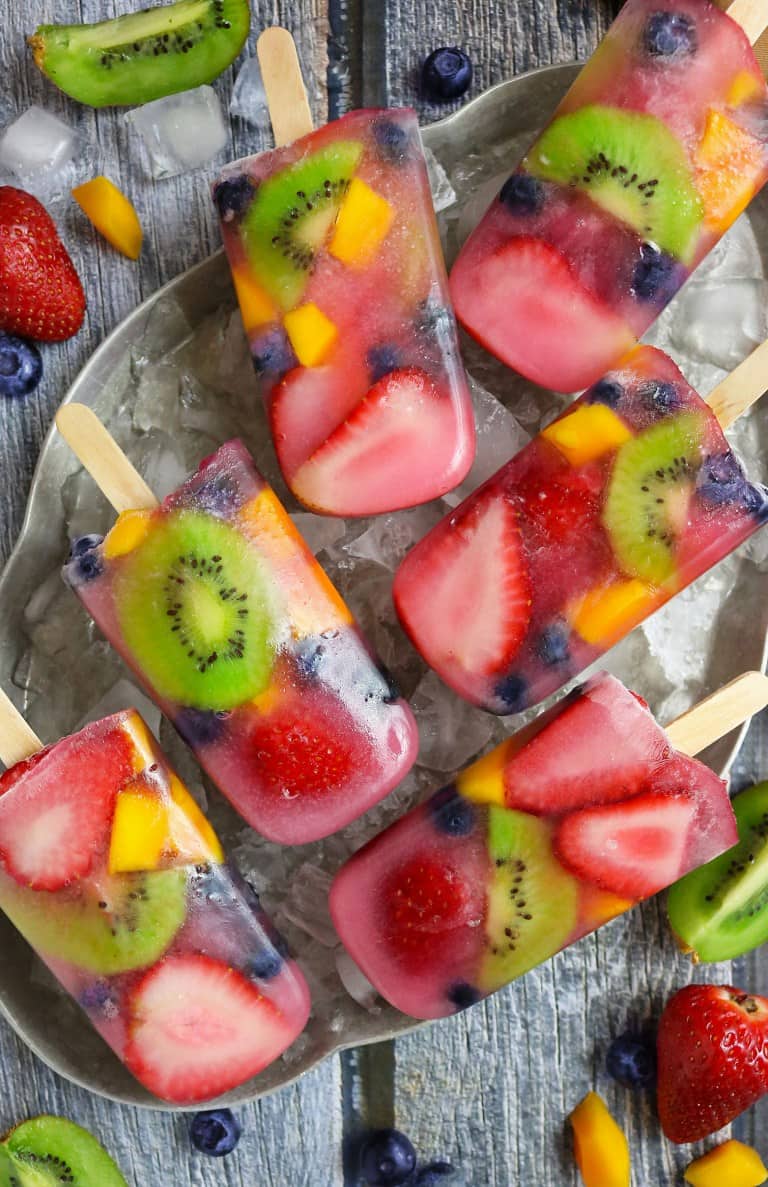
(712, 1057)
(40, 293)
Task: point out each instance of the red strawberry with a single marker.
(633, 849)
(712, 1059)
(463, 594)
(56, 808)
(422, 901)
(564, 511)
(197, 1029)
(40, 293)
(402, 445)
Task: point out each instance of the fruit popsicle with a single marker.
(656, 149)
(339, 272)
(624, 500)
(218, 606)
(563, 827)
(111, 872)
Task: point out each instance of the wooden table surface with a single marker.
(491, 1088)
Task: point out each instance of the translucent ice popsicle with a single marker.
(659, 145)
(627, 498)
(222, 612)
(560, 829)
(338, 267)
(113, 875)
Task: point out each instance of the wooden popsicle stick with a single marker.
(103, 458)
(752, 15)
(284, 85)
(17, 740)
(742, 388)
(716, 716)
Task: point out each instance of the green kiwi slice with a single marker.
(649, 493)
(51, 1151)
(127, 923)
(292, 216)
(193, 606)
(631, 165)
(533, 903)
(143, 56)
(720, 911)
(9, 1175)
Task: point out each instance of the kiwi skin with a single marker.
(58, 1151)
(143, 56)
(720, 912)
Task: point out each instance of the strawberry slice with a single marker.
(402, 445)
(197, 1029)
(463, 594)
(509, 300)
(633, 849)
(56, 808)
(422, 902)
(40, 292)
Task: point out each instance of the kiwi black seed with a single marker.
(54, 1152)
(143, 56)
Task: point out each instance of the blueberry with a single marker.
(273, 355)
(660, 396)
(670, 35)
(451, 813)
(265, 965)
(96, 996)
(435, 319)
(21, 367)
(85, 562)
(219, 496)
(387, 1158)
(393, 140)
(201, 727)
(392, 694)
(446, 74)
(721, 480)
(434, 1175)
(463, 995)
(632, 1061)
(606, 391)
(215, 1132)
(382, 360)
(552, 646)
(522, 194)
(755, 499)
(656, 275)
(233, 197)
(512, 691)
(83, 544)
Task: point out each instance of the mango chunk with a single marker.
(588, 433)
(256, 306)
(112, 214)
(129, 531)
(191, 835)
(601, 1149)
(363, 223)
(729, 162)
(139, 831)
(744, 87)
(730, 1165)
(483, 782)
(312, 334)
(606, 613)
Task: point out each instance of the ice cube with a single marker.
(37, 146)
(443, 193)
(249, 99)
(356, 983)
(451, 731)
(181, 132)
(306, 904)
(499, 437)
(722, 321)
(319, 532)
(390, 537)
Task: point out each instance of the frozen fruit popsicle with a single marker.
(560, 829)
(111, 872)
(657, 148)
(627, 498)
(218, 606)
(338, 268)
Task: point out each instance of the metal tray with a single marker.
(29, 999)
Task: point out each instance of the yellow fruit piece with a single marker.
(256, 306)
(362, 226)
(729, 163)
(139, 831)
(601, 1149)
(483, 782)
(605, 614)
(312, 334)
(588, 433)
(191, 835)
(730, 1165)
(112, 214)
(145, 750)
(744, 87)
(127, 534)
(600, 906)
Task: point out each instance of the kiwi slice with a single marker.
(631, 165)
(9, 1174)
(127, 923)
(143, 56)
(48, 1151)
(193, 606)
(720, 911)
(292, 216)
(533, 903)
(649, 493)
